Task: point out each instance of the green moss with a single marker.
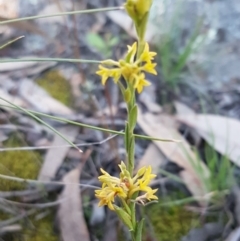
(35, 230)
(57, 86)
(171, 223)
(24, 164)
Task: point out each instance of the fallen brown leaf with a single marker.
(15, 66)
(182, 109)
(234, 235)
(13, 99)
(180, 153)
(55, 157)
(40, 99)
(70, 214)
(152, 157)
(219, 131)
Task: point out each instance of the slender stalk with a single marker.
(51, 60)
(62, 14)
(44, 123)
(61, 119)
(11, 41)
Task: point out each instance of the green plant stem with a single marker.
(44, 123)
(141, 44)
(131, 149)
(51, 60)
(130, 143)
(61, 14)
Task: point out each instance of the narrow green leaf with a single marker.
(170, 175)
(127, 208)
(139, 230)
(126, 138)
(44, 123)
(131, 152)
(64, 120)
(133, 117)
(124, 216)
(50, 59)
(61, 14)
(10, 42)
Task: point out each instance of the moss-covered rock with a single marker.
(57, 86)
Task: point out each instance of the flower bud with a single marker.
(138, 10)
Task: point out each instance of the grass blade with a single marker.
(11, 41)
(61, 14)
(60, 119)
(42, 122)
(50, 59)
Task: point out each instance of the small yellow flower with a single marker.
(107, 195)
(147, 196)
(132, 50)
(104, 73)
(140, 82)
(141, 182)
(150, 196)
(147, 56)
(150, 68)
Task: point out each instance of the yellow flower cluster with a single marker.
(131, 69)
(125, 186)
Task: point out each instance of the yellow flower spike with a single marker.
(132, 70)
(125, 186)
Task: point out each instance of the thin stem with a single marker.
(62, 14)
(18, 179)
(51, 60)
(60, 119)
(11, 41)
(141, 44)
(43, 122)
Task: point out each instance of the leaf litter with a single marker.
(154, 122)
